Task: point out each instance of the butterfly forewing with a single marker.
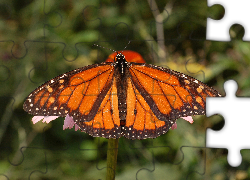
(170, 94)
(74, 93)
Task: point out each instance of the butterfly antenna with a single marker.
(126, 45)
(103, 47)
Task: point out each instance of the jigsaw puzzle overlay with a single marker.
(42, 39)
(234, 120)
(235, 13)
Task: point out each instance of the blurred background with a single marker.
(41, 39)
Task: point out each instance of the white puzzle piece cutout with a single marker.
(236, 132)
(236, 12)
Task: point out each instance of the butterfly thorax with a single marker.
(121, 63)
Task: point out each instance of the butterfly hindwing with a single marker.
(141, 122)
(106, 122)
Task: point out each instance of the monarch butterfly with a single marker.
(121, 97)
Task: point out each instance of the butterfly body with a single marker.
(121, 83)
(120, 98)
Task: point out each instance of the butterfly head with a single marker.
(120, 57)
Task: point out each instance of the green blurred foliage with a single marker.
(42, 39)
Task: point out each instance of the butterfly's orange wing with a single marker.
(88, 94)
(157, 96)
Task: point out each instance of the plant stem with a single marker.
(112, 158)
